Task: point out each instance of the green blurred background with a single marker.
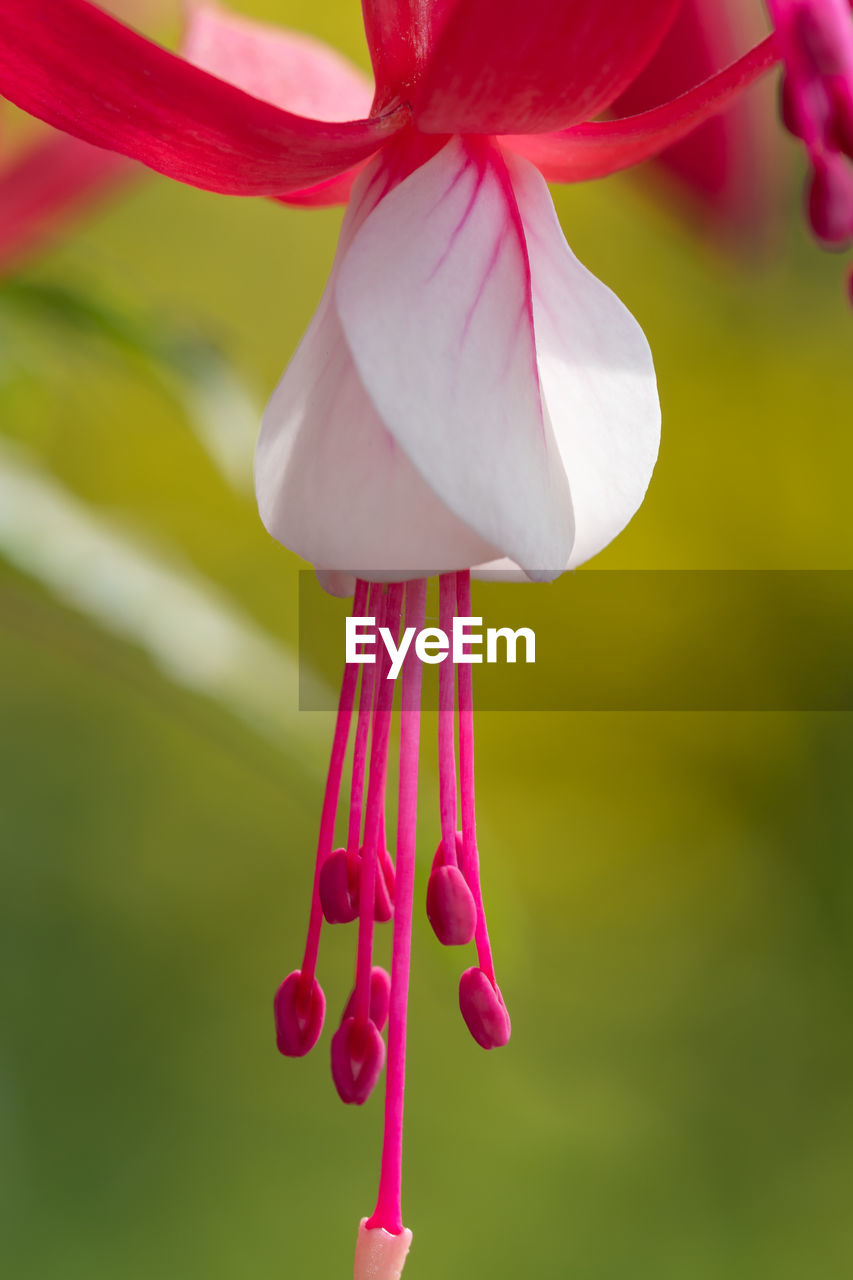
(670, 895)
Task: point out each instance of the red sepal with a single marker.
(73, 65)
(595, 150)
(525, 66)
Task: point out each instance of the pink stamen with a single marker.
(480, 999)
(388, 1212)
(384, 898)
(330, 803)
(450, 906)
(824, 35)
(843, 117)
(298, 1015)
(339, 888)
(383, 703)
(470, 855)
(830, 199)
(483, 1009)
(340, 875)
(365, 709)
(380, 996)
(446, 718)
(358, 1056)
(358, 1051)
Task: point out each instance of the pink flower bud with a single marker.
(299, 1010)
(358, 1056)
(824, 36)
(806, 107)
(383, 898)
(450, 907)
(841, 131)
(380, 998)
(483, 1009)
(790, 108)
(830, 200)
(339, 887)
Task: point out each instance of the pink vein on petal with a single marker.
(471, 421)
(465, 216)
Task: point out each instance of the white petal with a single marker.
(596, 373)
(337, 582)
(434, 298)
(331, 483)
(503, 570)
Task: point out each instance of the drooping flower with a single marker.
(466, 395)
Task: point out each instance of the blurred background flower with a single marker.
(672, 892)
(726, 174)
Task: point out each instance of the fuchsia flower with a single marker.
(467, 394)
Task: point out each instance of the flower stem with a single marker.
(388, 1213)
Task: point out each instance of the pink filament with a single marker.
(384, 855)
(446, 716)
(470, 857)
(382, 706)
(365, 707)
(388, 1213)
(330, 801)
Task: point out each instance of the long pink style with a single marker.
(388, 1212)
